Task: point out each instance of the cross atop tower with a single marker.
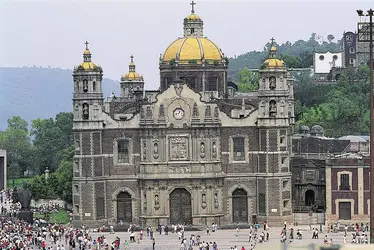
(86, 45)
(192, 7)
(272, 41)
(132, 58)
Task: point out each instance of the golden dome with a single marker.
(274, 63)
(187, 49)
(132, 76)
(193, 17)
(88, 65)
(86, 52)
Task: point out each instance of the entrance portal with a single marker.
(309, 198)
(239, 206)
(124, 207)
(180, 207)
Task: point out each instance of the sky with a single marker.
(52, 33)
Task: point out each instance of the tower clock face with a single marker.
(178, 113)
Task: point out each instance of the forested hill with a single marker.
(35, 92)
(295, 55)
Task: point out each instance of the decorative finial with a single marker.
(86, 45)
(272, 41)
(192, 7)
(132, 58)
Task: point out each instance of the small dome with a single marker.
(304, 129)
(317, 130)
(274, 63)
(187, 49)
(86, 52)
(88, 65)
(193, 17)
(132, 76)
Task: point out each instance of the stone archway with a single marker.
(239, 205)
(124, 207)
(309, 198)
(180, 207)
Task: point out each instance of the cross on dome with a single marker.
(272, 41)
(192, 7)
(132, 58)
(86, 45)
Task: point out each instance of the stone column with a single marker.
(328, 191)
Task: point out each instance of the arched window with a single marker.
(86, 112)
(85, 85)
(94, 86)
(212, 84)
(272, 108)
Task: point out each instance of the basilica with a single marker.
(194, 152)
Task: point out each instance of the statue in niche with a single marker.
(216, 112)
(202, 149)
(272, 83)
(207, 111)
(195, 110)
(216, 200)
(86, 113)
(272, 108)
(77, 86)
(149, 112)
(85, 85)
(155, 150)
(157, 202)
(203, 200)
(141, 113)
(161, 113)
(214, 150)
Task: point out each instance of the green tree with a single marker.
(292, 61)
(247, 80)
(16, 141)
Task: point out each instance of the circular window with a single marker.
(335, 57)
(321, 57)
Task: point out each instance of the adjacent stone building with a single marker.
(310, 149)
(348, 188)
(194, 152)
(3, 169)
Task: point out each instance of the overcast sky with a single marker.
(52, 33)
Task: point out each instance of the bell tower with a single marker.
(192, 24)
(88, 95)
(274, 128)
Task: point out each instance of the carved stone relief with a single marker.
(178, 148)
(161, 113)
(141, 113)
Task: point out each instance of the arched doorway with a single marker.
(239, 206)
(309, 198)
(180, 207)
(124, 207)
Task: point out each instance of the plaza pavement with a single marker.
(227, 238)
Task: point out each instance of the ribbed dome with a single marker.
(88, 65)
(274, 63)
(193, 17)
(187, 49)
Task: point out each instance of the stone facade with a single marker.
(187, 154)
(348, 189)
(349, 46)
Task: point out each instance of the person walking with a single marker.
(153, 243)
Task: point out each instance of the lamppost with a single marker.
(365, 34)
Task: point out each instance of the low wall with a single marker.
(308, 219)
(40, 202)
